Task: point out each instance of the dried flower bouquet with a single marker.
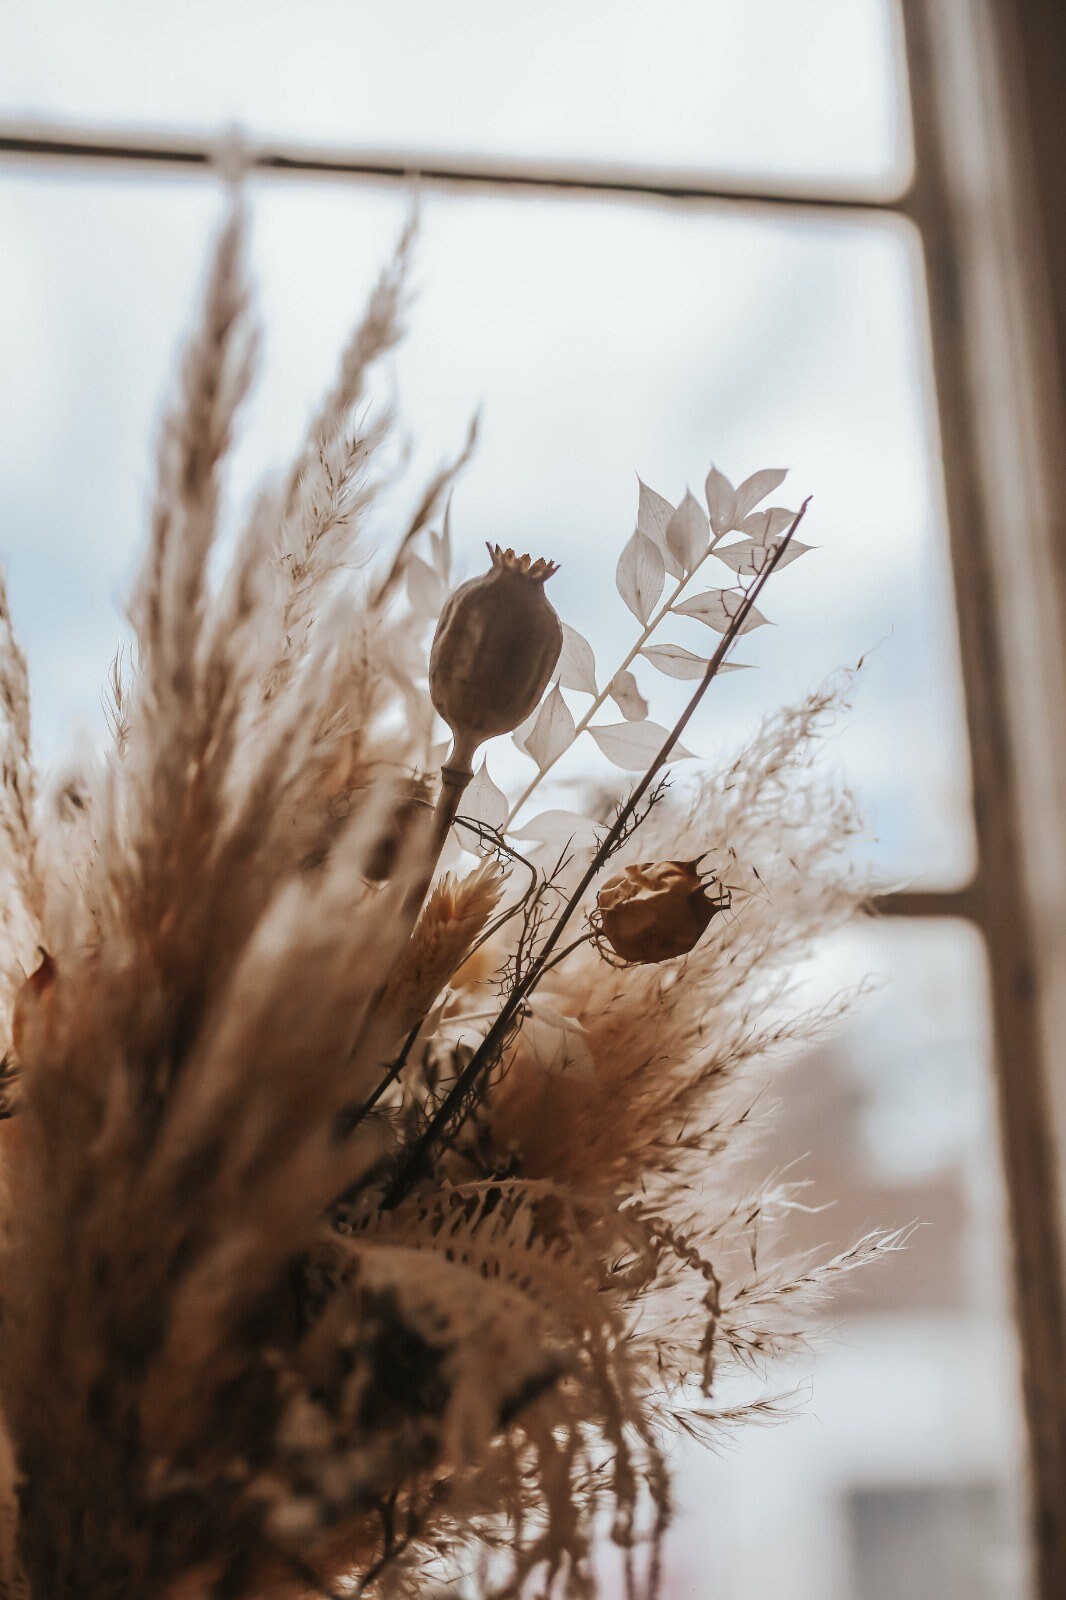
(360, 1215)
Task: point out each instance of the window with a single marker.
(901, 1537)
(647, 237)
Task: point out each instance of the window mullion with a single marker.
(50, 142)
(1004, 908)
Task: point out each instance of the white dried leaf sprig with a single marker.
(455, 1104)
(674, 542)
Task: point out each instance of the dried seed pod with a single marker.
(656, 910)
(497, 644)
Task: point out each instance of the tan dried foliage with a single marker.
(455, 914)
(231, 1364)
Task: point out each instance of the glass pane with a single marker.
(767, 87)
(899, 1475)
(605, 340)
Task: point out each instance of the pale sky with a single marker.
(602, 340)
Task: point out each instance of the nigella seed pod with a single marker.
(497, 644)
(657, 910)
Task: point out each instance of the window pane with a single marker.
(899, 1477)
(930, 1542)
(693, 85)
(605, 340)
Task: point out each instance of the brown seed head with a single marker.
(497, 644)
(657, 910)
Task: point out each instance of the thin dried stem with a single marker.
(602, 697)
(485, 1057)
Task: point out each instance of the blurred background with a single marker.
(652, 237)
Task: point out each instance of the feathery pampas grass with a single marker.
(350, 1228)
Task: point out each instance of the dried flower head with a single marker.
(452, 918)
(496, 646)
(654, 911)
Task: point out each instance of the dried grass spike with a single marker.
(455, 913)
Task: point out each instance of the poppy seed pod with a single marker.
(657, 910)
(497, 644)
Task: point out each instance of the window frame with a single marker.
(968, 160)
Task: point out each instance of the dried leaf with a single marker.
(560, 827)
(756, 488)
(743, 556)
(553, 1018)
(675, 661)
(433, 1018)
(556, 1043)
(768, 526)
(633, 746)
(627, 697)
(687, 534)
(653, 515)
(523, 731)
(577, 664)
(717, 608)
(721, 502)
(425, 590)
(747, 557)
(483, 800)
(441, 546)
(552, 732)
(792, 553)
(640, 575)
